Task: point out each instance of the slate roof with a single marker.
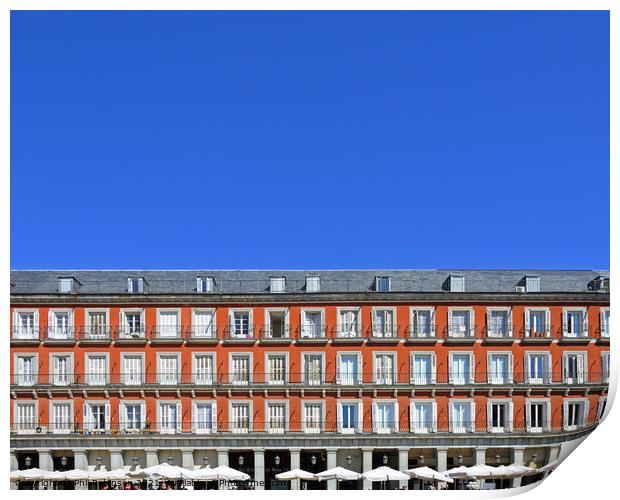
(332, 281)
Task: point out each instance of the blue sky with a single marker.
(309, 140)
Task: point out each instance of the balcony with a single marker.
(498, 336)
(347, 335)
(172, 335)
(135, 335)
(202, 335)
(459, 333)
(417, 335)
(21, 335)
(59, 335)
(534, 335)
(275, 333)
(384, 334)
(99, 335)
(240, 334)
(311, 334)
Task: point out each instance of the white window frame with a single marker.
(213, 375)
(546, 402)
(17, 326)
(394, 426)
(601, 408)
(471, 427)
(394, 374)
(270, 354)
(358, 311)
(277, 284)
(88, 376)
(316, 287)
(303, 355)
(213, 328)
(532, 284)
(280, 402)
(304, 427)
(359, 425)
(25, 427)
(605, 330)
(124, 323)
(231, 377)
(510, 375)
(584, 415)
(65, 281)
(546, 378)
(140, 284)
(87, 326)
(51, 322)
(457, 278)
(413, 376)
(509, 324)
(179, 422)
(581, 378)
(303, 327)
(89, 426)
(213, 424)
(378, 280)
(232, 427)
(413, 428)
(19, 378)
(122, 421)
(53, 425)
(584, 322)
(472, 367)
(160, 374)
(508, 415)
(166, 310)
(70, 368)
(471, 327)
(394, 327)
(528, 329)
(413, 327)
(359, 365)
(232, 326)
(605, 367)
(267, 323)
(132, 354)
(209, 283)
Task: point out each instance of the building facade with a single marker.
(271, 370)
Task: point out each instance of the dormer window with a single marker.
(204, 284)
(135, 285)
(382, 284)
(65, 285)
(313, 284)
(277, 284)
(601, 283)
(532, 284)
(457, 283)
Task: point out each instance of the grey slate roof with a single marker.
(332, 281)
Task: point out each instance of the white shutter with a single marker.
(586, 411)
(471, 368)
(360, 373)
(586, 332)
(339, 417)
(526, 333)
(489, 415)
(509, 322)
(143, 415)
(510, 368)
(396, 423)
(87, 419)
(450, 416)
(548, 322)
(108, 422)
(360, 416)
(472, 416)
(214, 417)
(491, 368)
(565, 414)
(434, 416)
(374, 417)
(528, 416)
(339, 377)
(489, 322)
(580, 368)
(179, 417)
(123, 418)
(472, 324)
(451, 369)
(50, 324)
(510, 416)
(432, 326)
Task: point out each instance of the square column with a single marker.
(187, 458)
(442, 459)
(403, 465)
(116, 458)
(295, 464)
(151, 457)
(80, 461)
(367, 466)
(222, 456)
(45, 459)
(517, 458)
(259, 468)
(481, 456)
(332, 461)
(14, 464)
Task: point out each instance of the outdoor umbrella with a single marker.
(296, 475)
(515, 470)
(483, 471)
(459, 472)
(384, 474)
(201, 474)
(163, 470)
(549, 467)
(428, 474)
(108, 475)
(339, 474)
(30, 475)
(223, 472)
(76, 475)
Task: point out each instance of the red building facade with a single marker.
(271, 370)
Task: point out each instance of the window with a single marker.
(600, 412)
(276, 323)
(277, 285)
(537, 415)
(96, 368)
(204, 420)
(26, 324)
(385, 417)
(532, 284)
(499, 323)
(605, 367)
(382, 284)
(349, 368)
(97, 324)
(132, 416)
(461, 416)
(348, 323)
(461, 323)
(169, 417)
(203, 323)
(601, 283)
(313, 369)
(457, 283)
(96, 417)
(132, 369)
(422, 322)
(240, 324)
(25, 418)
(26, 367)
(605, 322)
(350, 416)
(537, 322)
(60, 323)
(384, 323)
(575, 364)
(385, 368)
(575, 323)
(62, 369)
(423, 417)
(575, 413)
(277, 421)
(204, 368)
(277, 364)
(240, 421)
(313, 284)
(168, 369)
(500, 368)
(240, 367)
(461, 368)
(537, 368)
(61, 417)
(168, 323)
(135, 285)
(312, 422)
(65, 285)
(132, 324)
(499, 416)
(423, 368)
(312, 324)
(205, 284)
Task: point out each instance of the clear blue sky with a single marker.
(309, 140)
